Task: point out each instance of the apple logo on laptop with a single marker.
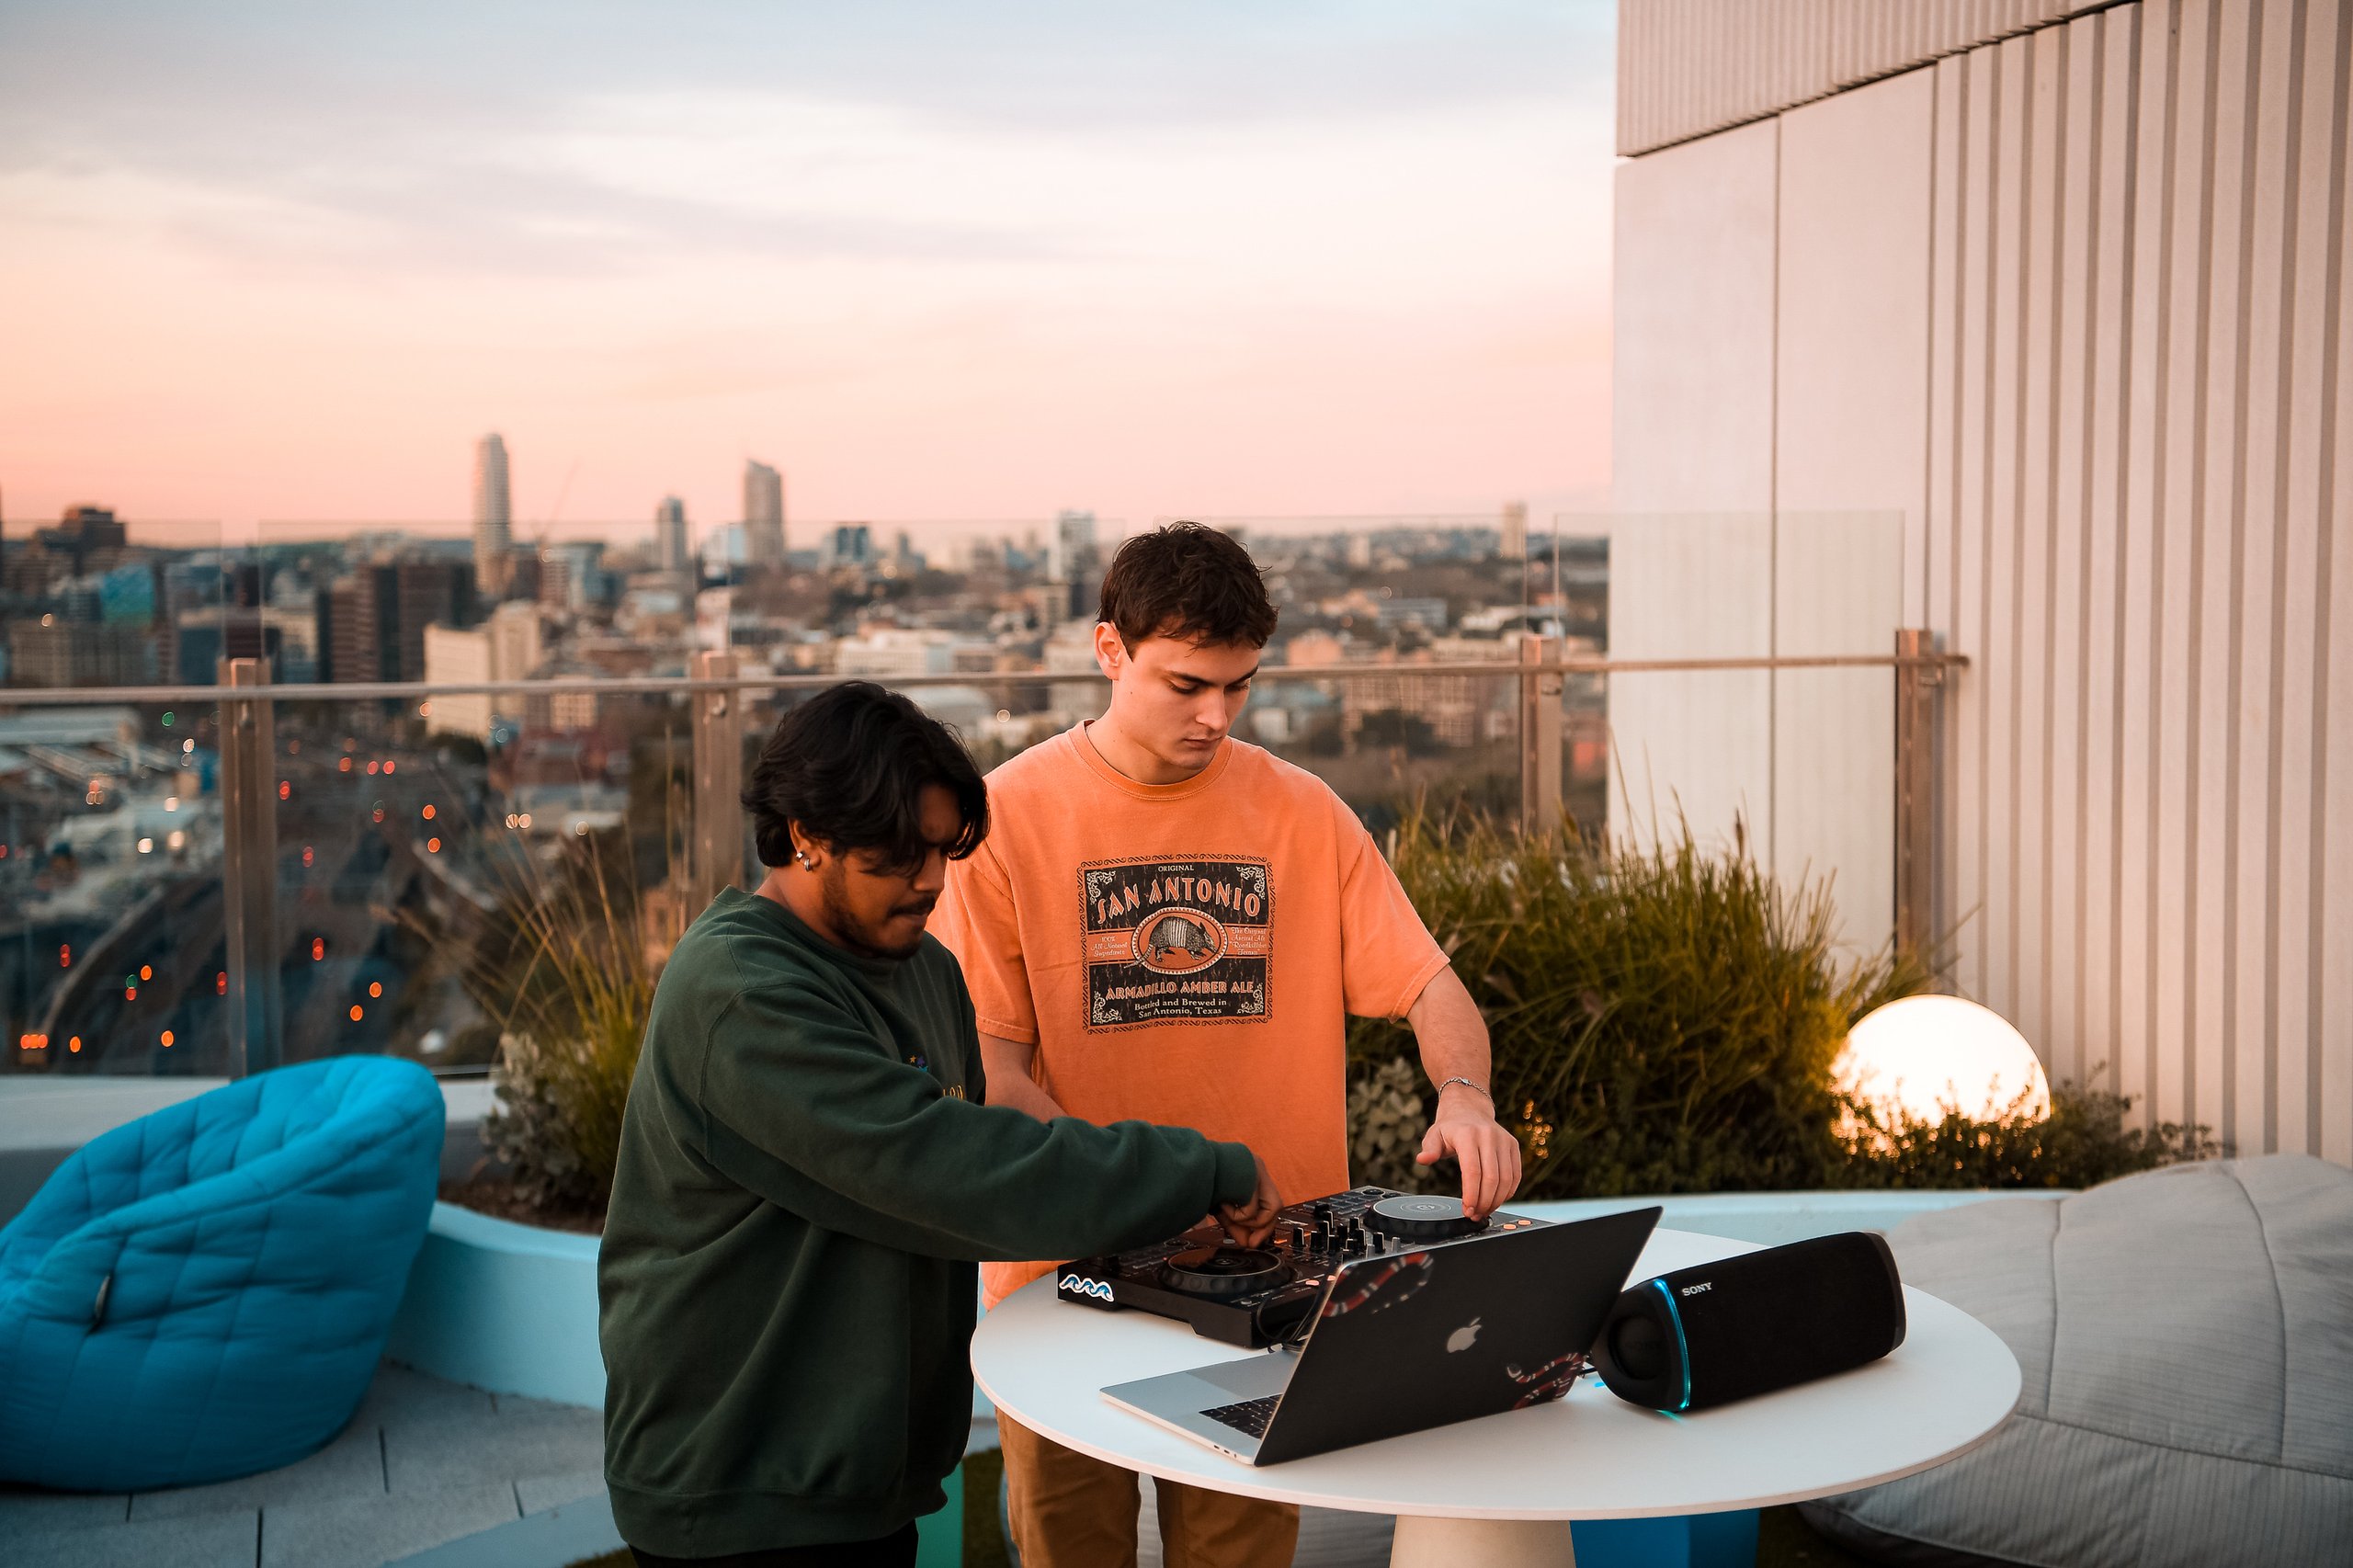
(1463, 1338)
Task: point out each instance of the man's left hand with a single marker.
(1465, 1128)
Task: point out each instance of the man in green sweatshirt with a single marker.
(808, 1173)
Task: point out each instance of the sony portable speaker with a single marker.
(1752, 1323)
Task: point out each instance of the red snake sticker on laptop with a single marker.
(1551, 1381)
(1408, 1272)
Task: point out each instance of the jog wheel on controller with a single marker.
(1223, 1273)
(1417, 1218)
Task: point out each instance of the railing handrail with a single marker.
(660, 686)
(1547, 746)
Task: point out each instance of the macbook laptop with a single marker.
(1405, 1341)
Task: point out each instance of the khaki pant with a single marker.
(1070, 1511)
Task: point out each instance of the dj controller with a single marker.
(1255, 1295)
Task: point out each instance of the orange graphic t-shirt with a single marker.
(1184, 953)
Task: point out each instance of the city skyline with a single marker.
(1341, 261)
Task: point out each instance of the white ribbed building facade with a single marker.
(2027, 323)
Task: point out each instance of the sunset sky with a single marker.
(934, 261)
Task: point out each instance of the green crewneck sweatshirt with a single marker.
(807, 1178)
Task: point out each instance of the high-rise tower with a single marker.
(493, 515)
(670, 536)
(762, 514)
(1073, 567)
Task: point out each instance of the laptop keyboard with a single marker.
(1251, 1415)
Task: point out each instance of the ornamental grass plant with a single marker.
(1663, 1019)
(576, 978)
(566, 964)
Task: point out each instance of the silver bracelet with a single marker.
(1466, 1083)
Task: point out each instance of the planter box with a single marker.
(505, 1307)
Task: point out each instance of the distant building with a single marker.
(373, 621)
(431, 592)
(54, 651)
(523, 572)
(291, 641)
(1314, 648)
(493, 515)
(127, 594)
(1462, 711)
(852, 545)
(762, 514)
(453, 656)
(1074, 568)
(198, 638)
(673, 551)
(81, 532)
(1514, 531)
(505, 647)
(973, 553)
(350, 647)
(714, 612)
(555, 580)
(1071, 553)
(571, 711)
(1428, 613)
(888, 651)
(1069, 649)
(571, 576)
(30, 569)
(720, 550)
(567, 712)
(198, 645)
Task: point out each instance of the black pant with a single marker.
(894, 1550)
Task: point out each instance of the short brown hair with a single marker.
(1190, 581)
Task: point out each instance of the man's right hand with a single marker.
(1249, 1224)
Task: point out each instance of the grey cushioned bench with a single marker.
(2186, 1338)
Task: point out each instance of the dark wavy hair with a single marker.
(850, 765)
(1190, 581)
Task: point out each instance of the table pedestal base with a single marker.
(1424, 1542)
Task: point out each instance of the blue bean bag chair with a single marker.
(204, 1292)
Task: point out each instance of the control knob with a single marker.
(1424, 1218)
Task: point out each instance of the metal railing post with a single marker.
(1540, 684)
(1915, 807)
(249, 869)
(716, 857)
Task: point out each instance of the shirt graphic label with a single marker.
(1175, 940)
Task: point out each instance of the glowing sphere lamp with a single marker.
(1927, 1056)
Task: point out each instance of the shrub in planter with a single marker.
(1664, 1020)
(2082, 1143)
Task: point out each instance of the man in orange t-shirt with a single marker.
(1171, 925)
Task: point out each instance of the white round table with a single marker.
(1499, 1492)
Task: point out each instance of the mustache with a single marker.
(916, 906)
